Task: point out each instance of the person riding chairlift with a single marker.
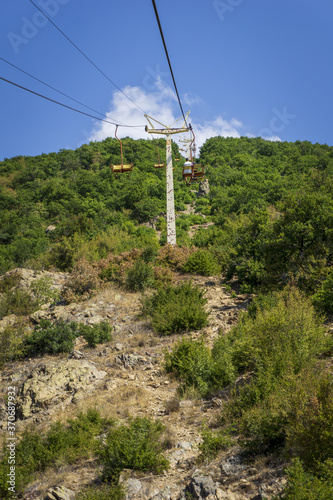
(187, 169)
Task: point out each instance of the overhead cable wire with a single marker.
(84, 55)
(53, 88)
(168, 58)
(65, 105)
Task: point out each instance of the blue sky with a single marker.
(242, 67)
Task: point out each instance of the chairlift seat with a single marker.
(118, 169)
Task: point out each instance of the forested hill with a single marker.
(271, 203)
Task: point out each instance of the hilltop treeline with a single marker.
(271, 203)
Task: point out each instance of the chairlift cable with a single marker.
(65, 105)
(168, 58)
(51, 87)
(84, 55)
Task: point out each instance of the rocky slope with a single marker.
(123, 378)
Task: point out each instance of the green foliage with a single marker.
(51, 338)
(176, 309)
(43, 292)
(58, 337)
(96, 334)
(303, 485)
(323, 299)
(17, 301)
(310, 429)
(104, 492)
(12, 340)
(135, 446)
(202, 262)
(212, 443)
(62, 444)
(191, 362)
(140, 276)
(10, 281)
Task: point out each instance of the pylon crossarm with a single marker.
(166, 130)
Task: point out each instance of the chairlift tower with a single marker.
(187, 148)
(168, 131)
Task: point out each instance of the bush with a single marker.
(140, 277)
(54, 338)
(323, 299)
(82, 283)
(191, 362)
(176, 309)
(43, 292)
(135, 446)
(212, 444)
(61, 444)
(96, 334)
(202, 262)
(9, 281)
(48, 338)
(17, 301)
(12, 342)
(284, 402)
(173, 256)
(303, 485)
(310, 429)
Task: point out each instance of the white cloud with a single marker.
(161, 104)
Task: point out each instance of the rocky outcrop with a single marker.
(59, 493)
(53, 382)
(204, 188)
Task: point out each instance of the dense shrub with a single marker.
(60, 445)
(135, 446)
(323, 299)
(83, 282)
(310, 426)
(51, 338)
(17, 301)
(212, 443)
(191, 362)
(54, 338)
(303, 485)
(12, 342)
(202, 262)
(96, 334)
(43, 292)
(176, 309)
(140, 276)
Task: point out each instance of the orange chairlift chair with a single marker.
(123, 168)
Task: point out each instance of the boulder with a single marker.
(59, 493)
(200, 487)
(204, 189)
(53, 382)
